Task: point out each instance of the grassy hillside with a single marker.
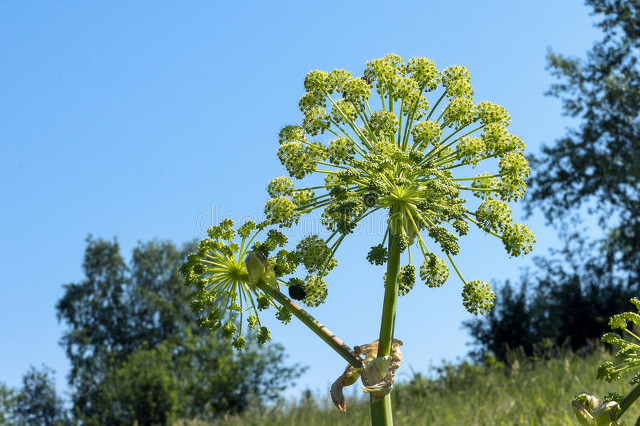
(528, 393)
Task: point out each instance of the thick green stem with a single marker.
(381, 413)
(323, 332)
(628, 400)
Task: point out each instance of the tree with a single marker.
(7, 404)
(128, 336)
(567, 300)
(598, 164)
(37, 403)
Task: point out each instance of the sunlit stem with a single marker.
(436, 105)
(409, 121)
(484, 229)
(629, 400)
(381, 413)
(320, 330)
(400, 125)
(351, 124)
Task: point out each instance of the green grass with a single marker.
(527, 393)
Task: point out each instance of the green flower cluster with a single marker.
(225, 270)
(411, 157)
(378, 144)
(629, 350)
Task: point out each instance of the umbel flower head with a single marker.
(407, 139)
(230, 267)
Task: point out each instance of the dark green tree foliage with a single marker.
(37, 403)
(564, 302)
(140, 389)
(134, 355)
(507, 326)
(598, 164)
(7, 404)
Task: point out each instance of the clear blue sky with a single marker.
(137, 120)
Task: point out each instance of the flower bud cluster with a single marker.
(400, 155)
(316, 255)
(434, 271)
(407, 279)
(221, 279)
(477, 297)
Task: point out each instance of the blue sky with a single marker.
(142, 120)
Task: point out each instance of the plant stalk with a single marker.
(381, 412)
(323, 332)
(628, 400)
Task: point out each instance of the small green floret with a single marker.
(477, 297)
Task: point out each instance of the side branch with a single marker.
(323, 332)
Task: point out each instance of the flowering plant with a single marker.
(589, 409)
(380, 147)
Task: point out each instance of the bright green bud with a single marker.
(385, 70)
(253, 322)
(518, 239)
(264, 335)
(229, 330)
(316, 81)
(490, 113)
(275, 239)
(403, 87)
(281, 211)
(224, 230)
(280, 186)
(383, 123)
(425, 133)
(514, 165)
(461, 226)
(315, 254)
(499, 141)
(424, 72)
(470, 150)
(311, 100)
(263, 302)
(285, 263)
(460, 112)
(292, 134)
(406, 279)
(341, 150)
(296, 159)
(302, 197)
(378, 255)
(434, 271)
(356, 91)
(245, 230)
(316, 290)
(337, 80)
(239, 343)
(448, 241)
(344, 112)
(459, 88)
(453, 73)
(493, 215)
(316, 120)
(284, 315)
(477, 297)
